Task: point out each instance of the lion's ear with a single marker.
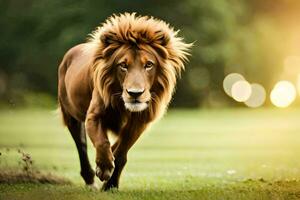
(162, 37)
(109, 41)
(161, 41)
(161, 50)
(108, 38)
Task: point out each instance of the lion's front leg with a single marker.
(104, 161)
(128, 136)
(98, 136)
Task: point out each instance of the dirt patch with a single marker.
(11, 177)
(26, 171)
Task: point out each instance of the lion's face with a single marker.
(137, 58)
(136, 69)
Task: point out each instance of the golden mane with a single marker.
(123, 31)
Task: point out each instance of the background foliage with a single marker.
(230, 36)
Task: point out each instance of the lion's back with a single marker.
(74, 82)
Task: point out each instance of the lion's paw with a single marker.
(104, 172)
(94, 186)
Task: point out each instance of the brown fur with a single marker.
(92, 87)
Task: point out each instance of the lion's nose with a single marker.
(135, 93)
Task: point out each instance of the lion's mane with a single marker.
(120, 32)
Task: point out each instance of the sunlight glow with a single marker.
(241, 91)
(298, 84)
(292, 64)
(283, 94)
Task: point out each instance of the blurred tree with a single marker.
(35, 34)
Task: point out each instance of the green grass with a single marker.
(189, 154)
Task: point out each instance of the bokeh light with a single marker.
(230, 80)
(283, 94)
(257, 97)
(241, 91)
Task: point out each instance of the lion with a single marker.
(120, 81)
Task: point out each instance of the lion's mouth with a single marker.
(136, 106)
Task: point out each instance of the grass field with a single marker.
(196, 154)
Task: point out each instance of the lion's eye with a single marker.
(123, 66)
(149, 65)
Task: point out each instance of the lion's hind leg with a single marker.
(77, 131)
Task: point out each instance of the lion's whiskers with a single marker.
(117, 94)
